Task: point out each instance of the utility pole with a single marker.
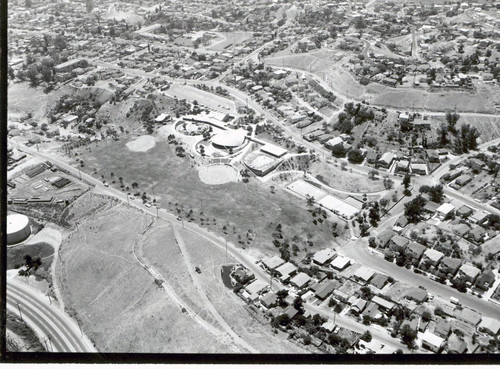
(226, 249)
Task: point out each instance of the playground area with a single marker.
(218, 174)
(141, 143)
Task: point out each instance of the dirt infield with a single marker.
(142, 143)
(218, 174)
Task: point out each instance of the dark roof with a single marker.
(442, 328)
(486, 279)
(451, 264)
(417, 294)
(415, 248)
(379, 280)
(290, 311)
(385, 237)
(325, 290)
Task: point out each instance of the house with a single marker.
(364, 274)
(340, 262)
(358, 305)
(477, 234)
(489, 326)
(467, 315)
(274, 262)
(431, 207)
(456, 345)
(415, 251)
(461, 229)
(463, 179)
(468, 273)
(398, 243)
(431, 342)
(384, 238)
(324, 256)
(372, 311)
(432, 156)
(383, 304)
(402, 166)
(300, 280)
(417, 294)
(290, 311)
(449, 265)
(443, 328)
(371, 157)
(327, 288)
(379, 281)
(255, 287)
(485, 280)
(479, 217)
(328, 326)
(444, 210)
(341, 296)
(464, 211)
(386, 160)
(269, 300)
(352, 338)
(401, 222)
(419, 168)
(285, 271)
(243, 275)
(433, 257)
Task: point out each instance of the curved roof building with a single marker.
(18, 228)
(229, 139)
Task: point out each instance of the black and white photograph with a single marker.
(250, 181)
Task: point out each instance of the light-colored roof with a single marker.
(334, 142)
(329, 326)
(492, 325)
(383, 303)
(445, 208)
(286, 269)
(274, 262)
(387, 157)
(300, 279)
(340, 262)
(433, 255)
(432, 339)
(255, 287)
(470, 270)
(16, 222)
(230, 138)
(364, 273)
(338, 206)
(322, 256)
(273, 150)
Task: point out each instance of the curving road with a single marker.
(56, 331)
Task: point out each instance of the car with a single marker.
(421, 287)
(179, 219)
(148, 205)
(197, 270)
(106, 185)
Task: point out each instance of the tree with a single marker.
(452, 119)
(408, 336)
(406, 181)
(367, 336)
(31, 73)
(298, 304)
(426, 316)
(388, 183)
(355, 156)
(60, 42)
(338, 151)
(414, 209)
(436, 193)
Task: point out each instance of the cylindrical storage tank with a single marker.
(18, 228)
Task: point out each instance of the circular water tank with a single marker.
(18, 228)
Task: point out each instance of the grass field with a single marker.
(488, 127)
(247, 324)
(230, 38)
(238, 205)
(115, 300)
(208, 99)
(15, 257)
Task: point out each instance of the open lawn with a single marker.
(237, 206)
(15, 257)
(115, 300)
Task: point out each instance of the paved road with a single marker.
(359, 251)
(236, 253)
(46, 320)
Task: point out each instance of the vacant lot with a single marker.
(208, 99)
(344, 180)
(115, 300)
(488, 127)
(230, 38)
(237, 206)
(246, 323)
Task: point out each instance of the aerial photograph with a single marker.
(251, 177)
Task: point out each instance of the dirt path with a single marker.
(199, 287)
(168, 289)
